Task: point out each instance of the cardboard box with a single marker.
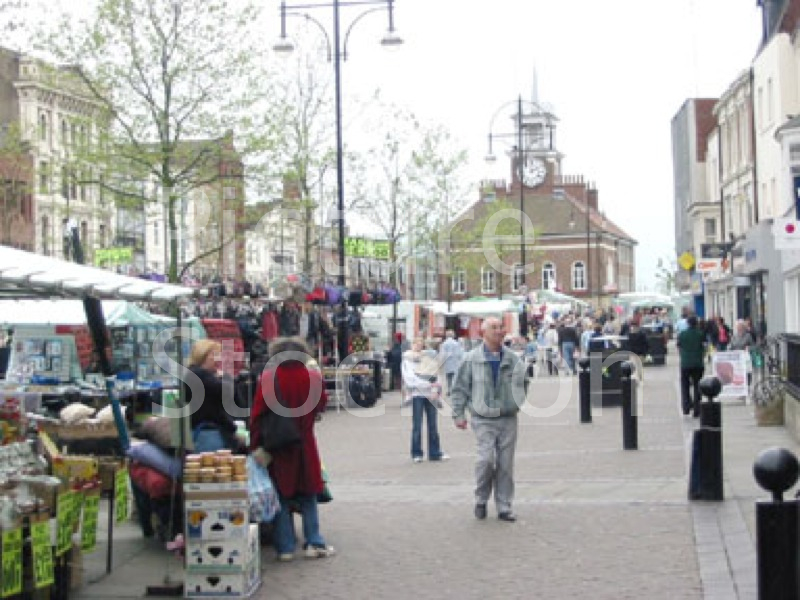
(223, 556)
(223, 585)
(238, 488)
(211, 520)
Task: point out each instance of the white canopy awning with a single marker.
(24, 274)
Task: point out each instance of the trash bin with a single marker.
(610, 376)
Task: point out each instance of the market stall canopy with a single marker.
(24, 274)
(481, 308)
(118, 313)
(554, 297)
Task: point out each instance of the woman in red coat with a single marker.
(296, 470)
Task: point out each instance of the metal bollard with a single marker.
(584, 390)
(705, 479)
(777, 543)
(630, 424)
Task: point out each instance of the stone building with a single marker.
(574, 247)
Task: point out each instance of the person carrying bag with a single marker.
(288, 387)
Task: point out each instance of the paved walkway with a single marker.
(594, 520)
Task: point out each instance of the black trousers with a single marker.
(690, 399)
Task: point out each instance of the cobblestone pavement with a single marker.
(595, 521)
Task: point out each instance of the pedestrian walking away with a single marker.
(491, 386)
(691, 347)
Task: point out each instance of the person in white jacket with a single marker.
(450, 355)
(420, 380)
(551, 348)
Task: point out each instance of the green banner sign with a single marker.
(121, 495)
(363, 248)
(89, 528)
(113, 256)
(12, 563)
(64, 522)
(42, 554)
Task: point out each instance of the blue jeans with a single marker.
(283, 537)
(207, 439)
(568, 352)
(421, 404)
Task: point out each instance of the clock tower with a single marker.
(540, 155)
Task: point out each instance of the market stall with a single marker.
(48, 497)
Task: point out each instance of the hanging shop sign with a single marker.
(364, 248)
(113, 256)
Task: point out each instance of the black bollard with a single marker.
(705, 479)
(630, 425)
(777, 542)
(584, 390)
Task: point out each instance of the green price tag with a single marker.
(121, 495)
(89, 528)
(12, 563)
(64, 522)
(42, 554)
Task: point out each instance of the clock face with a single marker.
(534, 172)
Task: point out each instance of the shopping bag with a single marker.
(326, 495)
(264, 503)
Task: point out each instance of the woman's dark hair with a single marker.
(288, 344)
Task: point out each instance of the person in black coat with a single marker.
(212, 427)
(637, 341)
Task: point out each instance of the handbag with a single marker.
(278, 431)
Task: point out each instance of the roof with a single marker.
(27, 274)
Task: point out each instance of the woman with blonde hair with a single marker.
(212, 427)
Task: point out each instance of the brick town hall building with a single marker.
(575, 248)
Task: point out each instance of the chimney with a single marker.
(591, 198)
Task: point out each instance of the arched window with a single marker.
(43, 127)
(548, 276)
(578, 275)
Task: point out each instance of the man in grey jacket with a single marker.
(450, 354)
(491, 384)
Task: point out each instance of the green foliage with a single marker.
(163, 74)
(666, 273)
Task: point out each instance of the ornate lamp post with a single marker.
(529, 174)
(338, 53)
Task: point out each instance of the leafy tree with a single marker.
(488, 235)
(666, 271)
(171, 76)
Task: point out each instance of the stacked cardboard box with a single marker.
(223, 557)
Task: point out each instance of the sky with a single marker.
(615, 72)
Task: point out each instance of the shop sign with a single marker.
(686, 261)
(364, 248)
(11, 563)
(714, 250)
(89, 526)
(708, 265)
(697, 284)
(786, 232)
(113, 256)
(121, 495)
(42, 554)
(750, 255)
(64, 521)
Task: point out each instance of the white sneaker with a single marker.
(320, 551)
(285, 557)
(417, 459)
(441, 458)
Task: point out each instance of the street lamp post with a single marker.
(339, 54)
(519, 154)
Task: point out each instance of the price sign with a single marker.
(42, 554)
(64, 522)
(121, 495)
(11, 563)
(89, 528)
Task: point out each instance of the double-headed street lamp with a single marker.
(338, 52)
(529, 175)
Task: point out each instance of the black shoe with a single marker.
(507, 516)
(480, 511)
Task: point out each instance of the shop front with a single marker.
(758, 288)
